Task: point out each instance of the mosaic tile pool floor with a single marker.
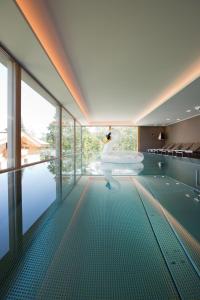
(134, 238)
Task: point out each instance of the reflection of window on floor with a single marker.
(4, 219)
(34, 204)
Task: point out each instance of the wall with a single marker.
(148, 137)
(187, 131)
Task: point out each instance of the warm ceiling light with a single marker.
(188, 110)
(178, 119)
(112, 123)
(39, 20)
(168, 119)
(190, 74)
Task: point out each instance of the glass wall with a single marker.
(128, 138)
(67, 134)
(92, 144)
(39, 123)
(68, 166)
(93, 140)
(78, 151)
(3, 113)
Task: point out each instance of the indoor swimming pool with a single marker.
(113, 233)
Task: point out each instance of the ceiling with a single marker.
(18, 38)
(128, 59)
(182, 106)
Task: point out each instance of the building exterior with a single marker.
(31, 149)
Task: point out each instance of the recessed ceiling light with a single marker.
(168, 119)
(178, 119)
(188, 110)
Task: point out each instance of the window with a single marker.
(3, 114)
(93, 141)
(78, 138)
(67, 151)
(78, 149)
(39, 123)
(128, 138)
(67, 134)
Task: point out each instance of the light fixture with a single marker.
(188, 110)
(178, 119)
(168, 119)
(197, 107)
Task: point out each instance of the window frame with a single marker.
(14, 99)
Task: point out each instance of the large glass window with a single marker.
(67, 151)
(67, 134)
(128, 138)
(78, 138)
(78, 150)
(3, 114)
(92, 143)
(93, 139)
(39, 123)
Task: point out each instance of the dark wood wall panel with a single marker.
(187, 131)
(148, 137)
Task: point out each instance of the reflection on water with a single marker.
(67, 170)
(109, 169)
(36, 201)
(99, 168)
(4, 218)
(187, 170)
(27, 196)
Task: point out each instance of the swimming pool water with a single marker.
(120, 236)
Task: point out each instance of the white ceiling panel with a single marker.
(125, 53)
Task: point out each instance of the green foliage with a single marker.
(67, 140)
(128, 141)
(92, 141)
(52, 134)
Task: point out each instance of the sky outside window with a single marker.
(37, 112)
